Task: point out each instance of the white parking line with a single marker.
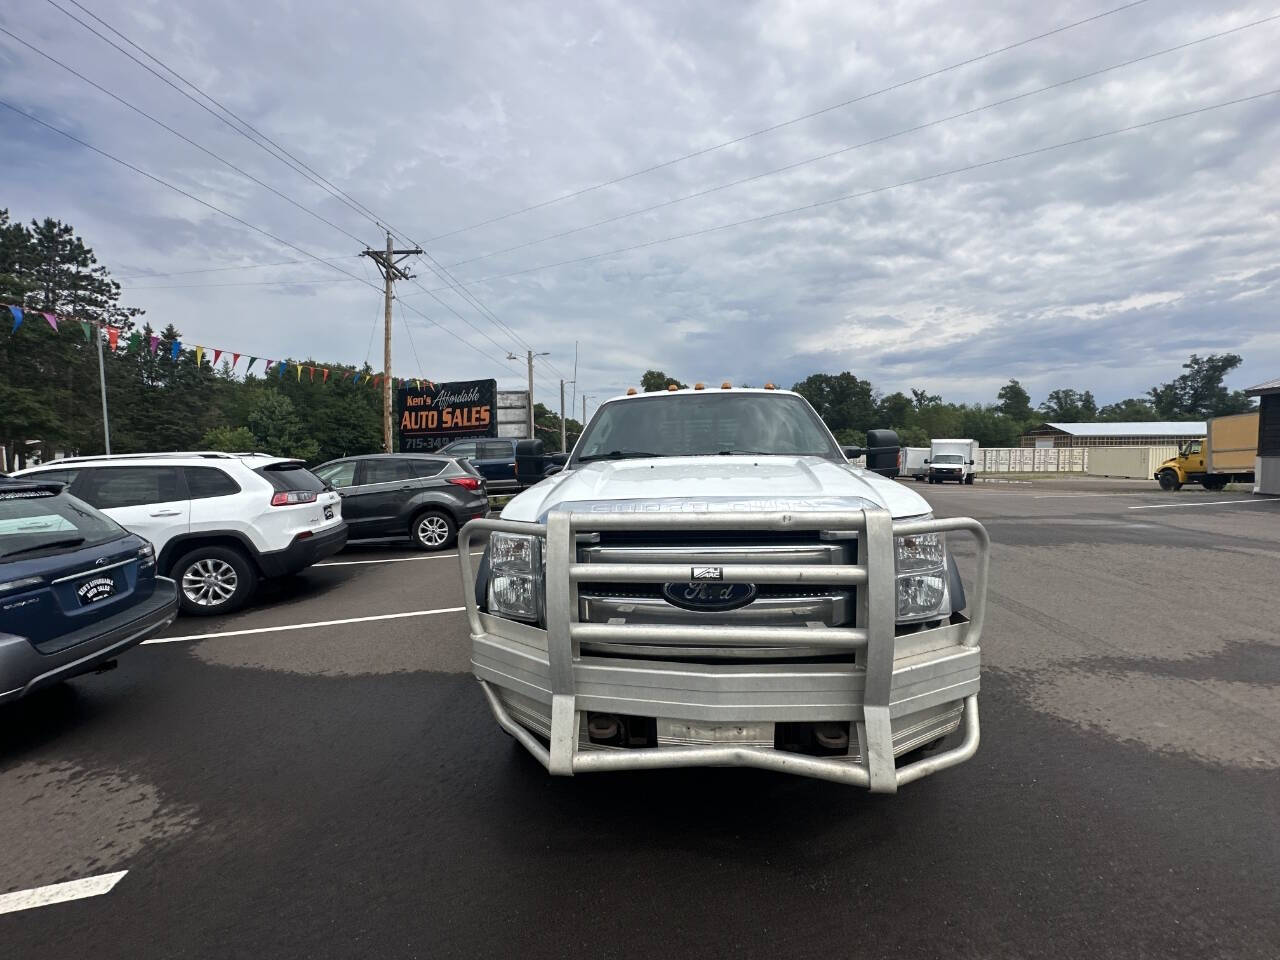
(306, 626)
(59, 892)
(1203, 503)
(356, 563)
(1079, 496)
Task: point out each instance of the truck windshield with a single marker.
(948, 458)
(726, 424)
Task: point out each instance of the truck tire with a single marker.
(1169, 480)
(1214, 483)
(213, 580)
(969, 480)
(433, 530)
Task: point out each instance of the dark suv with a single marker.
(76, 588)
(394, 494)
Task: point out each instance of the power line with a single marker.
(876, 190)
(216, 209)
(297, 165)
(181, 136)
(786, 123)
(246, 266)
(866, 143)
(293, 163)
(237, 283)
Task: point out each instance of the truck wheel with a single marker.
(214, 580)
(969, 480)
(433, 530)
(1169, 480)
(1214, 483)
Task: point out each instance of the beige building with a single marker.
(1155, 433)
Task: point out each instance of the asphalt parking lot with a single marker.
(318, 776)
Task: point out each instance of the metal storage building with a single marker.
(1138, 434)
(1266, 473)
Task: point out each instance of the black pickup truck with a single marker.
(507, 465)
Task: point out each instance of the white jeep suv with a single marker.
(218, 521)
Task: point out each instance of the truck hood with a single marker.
(741, 483)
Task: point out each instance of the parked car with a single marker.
(424, 497)
(507, 465)
(76, 588)
(219, 522)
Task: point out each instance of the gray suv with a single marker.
(424, 497)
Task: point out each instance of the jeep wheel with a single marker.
(1169, 480)
(433, 530)
(214, 580)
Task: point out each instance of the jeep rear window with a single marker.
(42, 523)
(290, 476)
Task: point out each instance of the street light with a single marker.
(529, 355)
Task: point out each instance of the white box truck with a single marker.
(914, 463)
(952, 460)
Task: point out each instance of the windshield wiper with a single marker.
(744, 453)
(69, 542)
(619, 455)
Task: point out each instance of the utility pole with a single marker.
(564, 441)
(529, 355)
(102, 384)
(388, 266)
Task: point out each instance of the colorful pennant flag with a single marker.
(53, 321)
(17, 318)
(135, 339)
(252, 361)
(199, 354)
(84, 327)
(325, 378)
(113, 337)
(155, 342)
(175, 349)
(216, 355)
(280, 368)
(298, 368)
(235, 358)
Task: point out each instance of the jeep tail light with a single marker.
(287, 498)
(469, 483)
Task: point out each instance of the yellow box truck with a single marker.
(1225, 456)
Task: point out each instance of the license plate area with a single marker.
(673, 732)
(95, 589)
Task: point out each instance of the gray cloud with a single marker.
(1099, 266)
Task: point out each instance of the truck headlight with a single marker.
(920, 563)
(515, 576)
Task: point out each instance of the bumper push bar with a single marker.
(892, 681)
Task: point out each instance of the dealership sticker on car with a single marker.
(328, 513)
(99, 588)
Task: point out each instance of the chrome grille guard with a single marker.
(872, 641)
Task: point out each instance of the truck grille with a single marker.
(773, 605)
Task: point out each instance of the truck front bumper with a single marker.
(891, 693)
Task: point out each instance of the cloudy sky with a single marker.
(1099, 265)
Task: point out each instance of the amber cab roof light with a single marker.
(699, 386)
(770, 386)
(631, 391)
(726, 385)
(673, 387)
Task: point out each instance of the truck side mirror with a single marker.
(882, 452)
(927, 460)
(971, 463)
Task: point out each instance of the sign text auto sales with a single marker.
(431, 417)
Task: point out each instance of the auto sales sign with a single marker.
(433, 415)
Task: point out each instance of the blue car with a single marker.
(76, 588)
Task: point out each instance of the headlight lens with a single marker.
(515, 576)
(920, 561)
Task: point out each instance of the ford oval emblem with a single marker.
(709, 596)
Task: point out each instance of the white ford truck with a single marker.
(710, 582)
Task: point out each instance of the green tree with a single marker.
(1069, 406)
(653, 380)
(842, 400)
(1131, 410)
(228, 439)
(1015, 402)
(1200, 393)
(276, 428)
